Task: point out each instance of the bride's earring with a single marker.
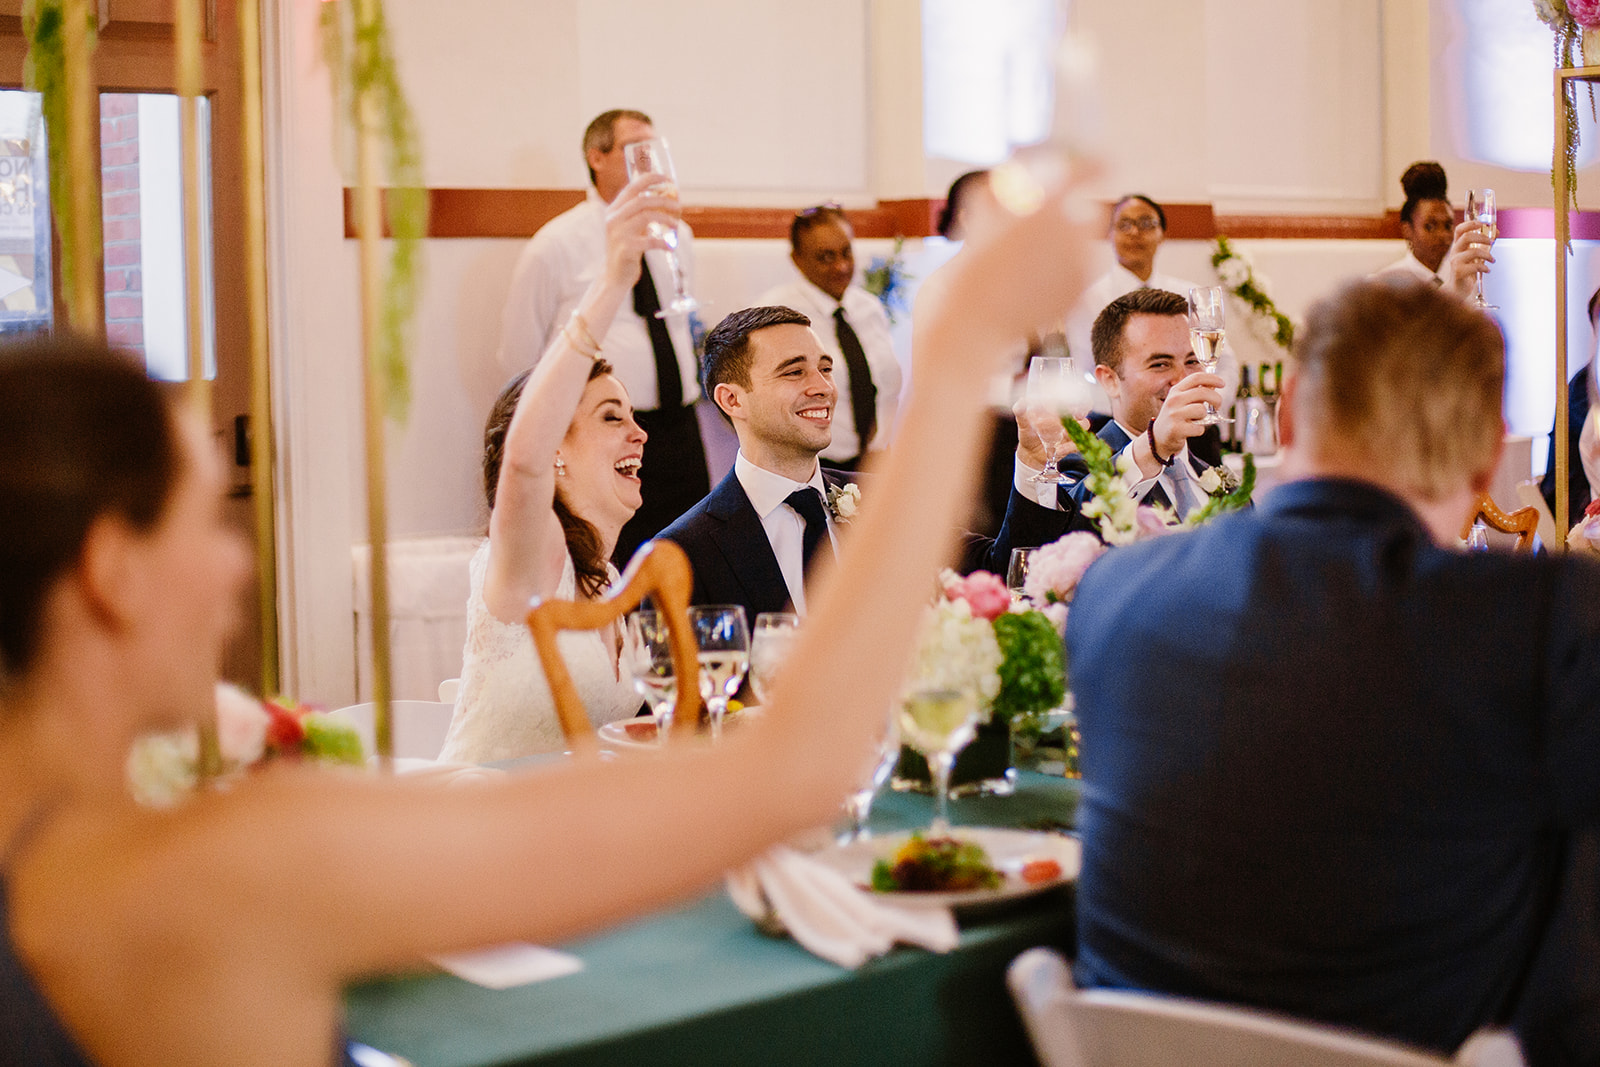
(561, 466)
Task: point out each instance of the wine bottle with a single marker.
(1241, 407)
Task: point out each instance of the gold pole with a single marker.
(197, 392)
(255, 254)
(86, 299)
(1559, 424)
(369, 227)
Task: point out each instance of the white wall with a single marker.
(1287, 107)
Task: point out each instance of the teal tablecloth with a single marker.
(701, 986)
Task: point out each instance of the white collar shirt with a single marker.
(1176, 479)
(871, 324)
(786, 530)
(1410, 264)
(553, 272)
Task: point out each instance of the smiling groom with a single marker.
(757, 535)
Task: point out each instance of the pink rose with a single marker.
(1585, 13)
(986, 594)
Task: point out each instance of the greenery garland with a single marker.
(1237, 273)
(1568, 53)
(44, 71)
(368, 70)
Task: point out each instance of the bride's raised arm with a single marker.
(526, 542)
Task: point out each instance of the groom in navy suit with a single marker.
(755, 537)
(1333, 766)
(1158, 394)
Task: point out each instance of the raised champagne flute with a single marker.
(723, 638)
(652, 157)
(1054, 392)
(1480, 209)
(649, 650)
(1207, 321)
(770, 644)
(939, 723)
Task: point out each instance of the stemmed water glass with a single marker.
(1017, 572)
(1480, 209)
(770, 644)
(939, 723)
(652, 157)
(1207, 321)
(723, 638)
(1055, 391)
(858, 805)
(649, 652)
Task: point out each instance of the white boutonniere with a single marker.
(1219, 481)
(843, 500)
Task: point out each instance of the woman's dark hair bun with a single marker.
(1425, 181)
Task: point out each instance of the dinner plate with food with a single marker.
(970, 867)
(640, 732)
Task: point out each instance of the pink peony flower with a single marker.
(1055, 570)
(1153, 523)
(986, 594)
(1585, 13)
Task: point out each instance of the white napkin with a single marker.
(829, 916)
(504, 966)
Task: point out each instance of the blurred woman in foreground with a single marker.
(222, 931)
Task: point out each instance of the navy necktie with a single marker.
(808, 502)
(669, 383)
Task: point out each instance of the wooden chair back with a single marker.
(1524, 522)
(659, 570)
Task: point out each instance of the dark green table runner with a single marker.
(700, 986)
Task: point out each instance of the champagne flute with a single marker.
(770, 644)
(939, 723)
(1017, 572)
(1480, 209)
(1054, 391)
(1207, 320)
(885, 756)
(724, 640)
(649, 651)
(652, 157)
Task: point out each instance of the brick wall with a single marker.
(119, 187)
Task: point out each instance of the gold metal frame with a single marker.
(1563, 76)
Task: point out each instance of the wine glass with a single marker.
(1480, 209)
(1017, 572)
(858, 805)
(1055, 392)
(723, 637)
(652, 157)
(770, 644)
(649, 651)
(939, 723)
(1207, 320)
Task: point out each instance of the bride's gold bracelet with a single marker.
(593, 350)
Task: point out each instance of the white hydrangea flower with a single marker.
(957, 651)
(1233, 271)
(161, 769)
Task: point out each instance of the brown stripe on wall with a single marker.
(520, 213)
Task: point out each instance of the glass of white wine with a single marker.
(652, 157)
(939, 723)
(723, 638)
(1207, 321)
(770, 644)
(1480, 209)
(649, 651)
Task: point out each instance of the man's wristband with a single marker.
(1150, 435)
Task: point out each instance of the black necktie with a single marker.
(669, 384)
(863, 394)
(808, 502)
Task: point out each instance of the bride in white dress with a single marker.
(561, 474)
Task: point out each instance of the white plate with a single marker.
(1008, 850)
(640, 731)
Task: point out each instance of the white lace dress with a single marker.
(504, 709)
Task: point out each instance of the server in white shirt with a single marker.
(653, 357)
(1138, 226)
(853, 329)
(1427, 222)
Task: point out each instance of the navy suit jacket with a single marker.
(1353, 799)
(1028, 524)
(1113, 435)
(732, 559)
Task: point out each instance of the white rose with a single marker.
(848, 500)
(1233, 271)
(1211, 481)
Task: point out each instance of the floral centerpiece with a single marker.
(164, 768)
(1577, 41)
(975, 639)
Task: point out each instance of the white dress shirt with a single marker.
(871, 324)
(1410, 264)
(1110, 285)
(551, 276)
(1176, 480)
(786, 529)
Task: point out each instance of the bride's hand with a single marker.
(628, 221)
